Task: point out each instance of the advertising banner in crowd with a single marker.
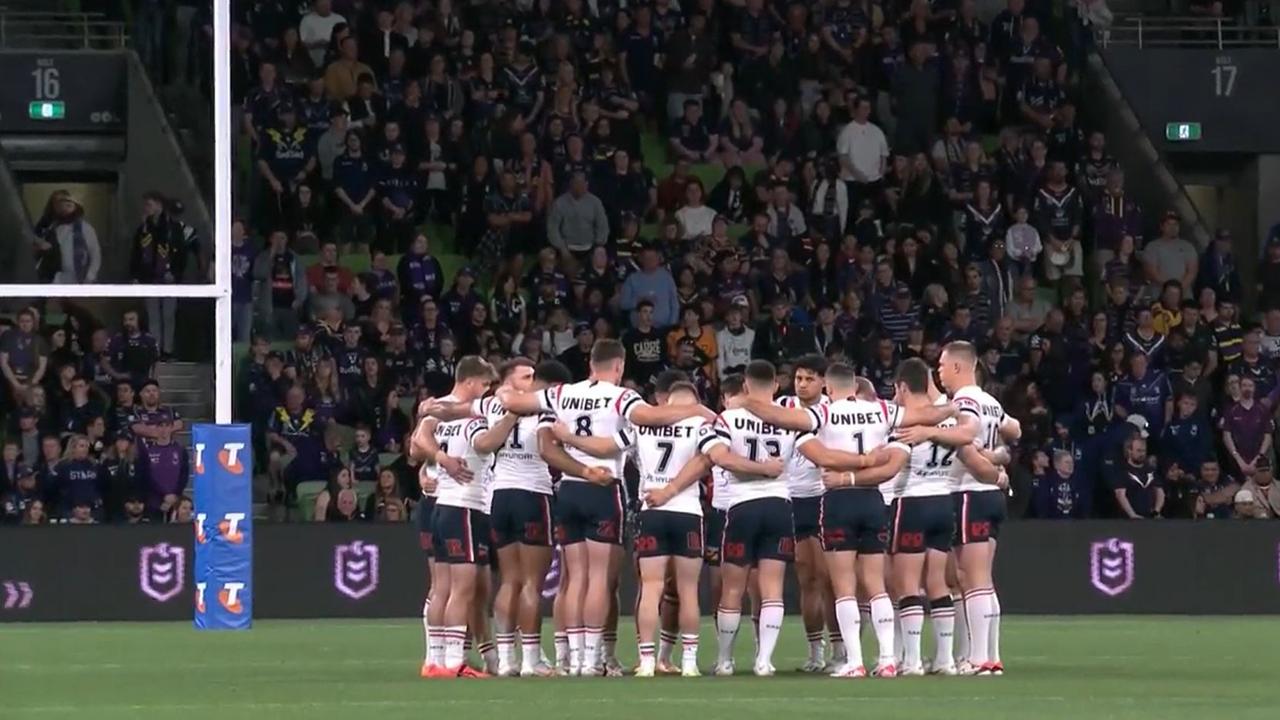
(373, 570)
(222, 468)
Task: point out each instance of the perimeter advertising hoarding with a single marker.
(374, 570)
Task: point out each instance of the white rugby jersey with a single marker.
(719, 487)
(517, 465)
(975, 401)
(455, 438)
(428, 471)
(930, 468)
(748, 436)
(662, 452)
(804, 479)
(596, 408)
(856, 426)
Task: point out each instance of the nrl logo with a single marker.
(1111, 566)
(355, 569)
(161, 569)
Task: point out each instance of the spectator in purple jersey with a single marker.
(152, 418)
(242, 255)
(163, 472)
(133, 353)
(1247, 429)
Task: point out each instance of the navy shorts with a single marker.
(979, 515)
(462, 536)
(664, 533)
(758, 530)
(424, 518)
(806, 515)
(586, 511)
(854, 521)
(520, 516)
(921, 523)
(715, 535)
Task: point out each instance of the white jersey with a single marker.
(455, 438)
(930, 469)
(804, 479)
(856, 426)
(662, 452)
(517, 465)
(719, 487)
(748, 436)
(975, 401)
(595, 408)
(428, 471)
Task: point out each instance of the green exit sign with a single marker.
(47, 110)
(1182, 131)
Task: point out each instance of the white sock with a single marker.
(666, 645)
(426, 633)
(576, 637)
(993, 647)
(591, 647)
(962, 630)
(770, 626)
(489, 654)
(899, 650)
(530, 653)
(562, 649)
(647, 652)
(455, 643)
(689, 647)
(864, 615)
(726, 630)
(911, 614)
(942, 615)
(506, 643)
(436, 646)
(978, 606)
(882, 618)
(817, 650)
(850, 627)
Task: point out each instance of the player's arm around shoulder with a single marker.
(891, 459)
(605, 448)
(639, 412)
(825, 457)
(797, 419)
(489, 438)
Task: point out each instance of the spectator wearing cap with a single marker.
(286, 156)
(151, 417)
(133, 353)
(577, 222)
(306, 353)
(1169, 256)
(23, 494)
(1262, 486)
(457, 303)
(578, 357)
(899, 315)
(1137, 488)
(23, 357)
(1247, 429)
(1218, 268)
(159, 257)
(280, 290)
(652, 282)
(398, 188)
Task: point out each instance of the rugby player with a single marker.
(590, 514)
(979, 507)
(854, 522)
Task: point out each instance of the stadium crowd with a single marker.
(712, 182)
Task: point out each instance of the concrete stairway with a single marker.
(187, 388)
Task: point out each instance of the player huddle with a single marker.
(888, 510)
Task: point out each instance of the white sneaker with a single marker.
(850, 671)
(911, 671)
(724, 669)
(690, 671)
(885, 670)
(645, 670)
(506, 670)
(943, 670)
(539, 670)
(613, 668)
(764, 670)
(964, 667)
(813, 665)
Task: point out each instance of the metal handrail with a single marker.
(77, 30)
(1218, 33)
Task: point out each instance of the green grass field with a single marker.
(1114, 667)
